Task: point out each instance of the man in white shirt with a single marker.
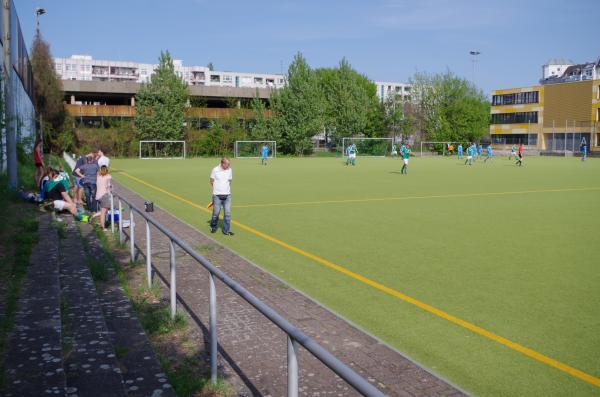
(220, 180)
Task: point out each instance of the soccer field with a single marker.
(486, 274)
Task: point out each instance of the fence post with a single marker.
(112, 214)
(131, 233)
(121, 236)
(148, 255)
(173, 288)
(213, 330)
(292, 367)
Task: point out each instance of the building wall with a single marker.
(519, 128)
(567, 103)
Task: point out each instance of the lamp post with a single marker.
(38, 11)
(474, 55)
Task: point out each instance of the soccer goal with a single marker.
(162, 150)
(369, 147)
(252, 149)
(442, 148)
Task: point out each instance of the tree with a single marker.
(398, 119)
(48, 95)
(350, 102)
(210, 66)
(160, 104)
(450, 108)
(297, 109)
(260, 129)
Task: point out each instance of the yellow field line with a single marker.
(457, 195)
(431, 309)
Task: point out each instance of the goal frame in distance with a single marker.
(272, 155)
(163, 158)
(348, 138)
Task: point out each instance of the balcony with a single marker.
(129, 111)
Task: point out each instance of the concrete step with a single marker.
(34, 362)
(141, 371)
(90, 362)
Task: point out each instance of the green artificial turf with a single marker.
(522, 263)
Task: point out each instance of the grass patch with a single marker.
(97, 269)
(60, 229)
(18, 234)
(120, 351)
(186, 380)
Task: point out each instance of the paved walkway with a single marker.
(253, 351)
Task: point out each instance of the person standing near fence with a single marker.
(89, 172)
(460, 151)
(583, 149)
(220, 180)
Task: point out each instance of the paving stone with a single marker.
(34, 362)
(138, 363)
(252, 350)
(88, 368)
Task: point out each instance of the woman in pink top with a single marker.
(103, 190)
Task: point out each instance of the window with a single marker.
(215, 78)
(518, 98)
(258, 80)
(227, 79)
(67, 67)
(514, 118)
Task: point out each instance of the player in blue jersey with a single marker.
(264, 153)
(489, 153)
(460, 151)
(351, 152)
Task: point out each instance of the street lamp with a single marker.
(474, 55)
(39, 11)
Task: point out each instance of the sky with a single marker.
(384, 39)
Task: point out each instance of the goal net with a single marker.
(253, 149)
(162, 149)
(442, 148)
(369, 147)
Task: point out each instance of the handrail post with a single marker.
(148, 255)
(213, 330)
(131, 233)
(112, 214)
(292, 367)
(173, 284)
(121, 236)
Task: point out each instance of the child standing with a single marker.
(103, 190)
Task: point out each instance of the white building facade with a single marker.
(84, 67)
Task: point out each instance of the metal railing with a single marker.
(295, 336)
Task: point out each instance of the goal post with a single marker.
(252, 149)
(369, 147)
(162, 150)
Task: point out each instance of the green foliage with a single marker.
(450, 108)
(119, 139)
(160, 104)
(351, 104)
(297, 109)
(398, 117)
(261, 128)
(48, 98)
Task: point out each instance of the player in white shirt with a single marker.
(220, 180)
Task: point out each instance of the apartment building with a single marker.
(84, 67)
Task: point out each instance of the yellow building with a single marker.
(553, 117)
